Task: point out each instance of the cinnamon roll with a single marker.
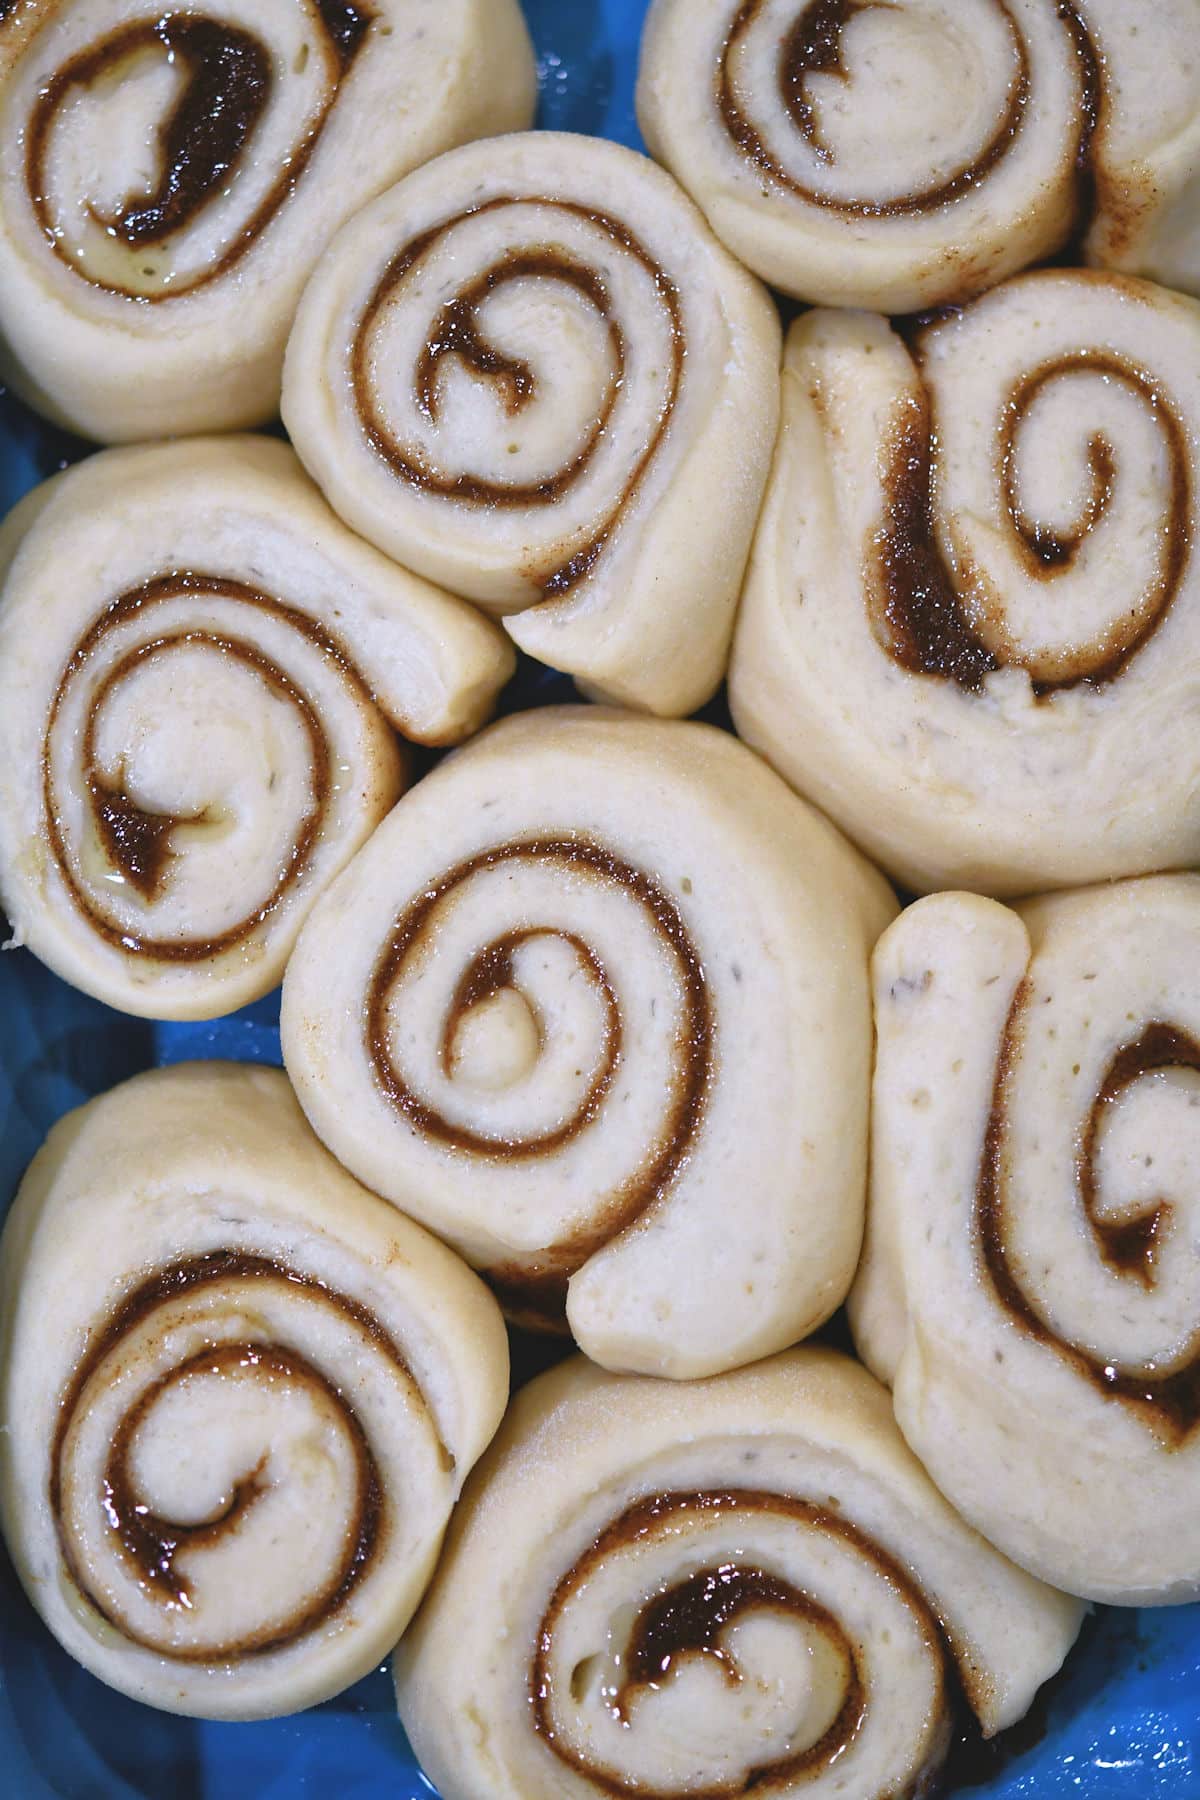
(741, 1585)
(1031, 1282)
(201, 672)
(592, 1005)
(971, 623)
(226, 1466)
(170, 175)
(902, 154)
(531, 372)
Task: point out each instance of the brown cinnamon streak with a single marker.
(456, 332)
(151, 1543)
(540, 1286)
(687, 1620)
(814, 45)
(1092, 103)
(203, 140)
(919, 615)
(920, 612)
(1170, 1402)
(136, 841)
(1131, 1248)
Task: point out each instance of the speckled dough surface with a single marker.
(1031, 1280)
(225, 1473)
(744, 1584)
(592, 1005)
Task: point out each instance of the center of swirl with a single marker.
(491, 973)
(813, 46)
(137, 843)
(204, 142)
(457, 335)
(689, 1619)
(104, 1513)
(1167, 1399)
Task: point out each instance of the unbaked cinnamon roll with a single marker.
(201, 676)
(532, 373)
(685, 1593)
(239, 1397)
(901, 154)
(1031, 1282)
(591, 1005)
(170, 174)
(971, 626)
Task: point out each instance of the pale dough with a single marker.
(226, 1470)
(591, 1005)
(201, 675)
(743, 1583)
(530, 372)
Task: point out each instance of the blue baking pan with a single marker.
(1121, 1723)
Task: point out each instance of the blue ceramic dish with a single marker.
(1121, 1723)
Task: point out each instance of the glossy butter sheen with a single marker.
(1122, 1724)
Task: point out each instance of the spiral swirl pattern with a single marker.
(1072, 1265)
(750, 1586)
(903, 154)
(191, 757)
(227, 79)
(226, 1487)
(140, 1588)
(533, 1015)
(456, 333)
(209, 155)
(522, 374)
(992, 529)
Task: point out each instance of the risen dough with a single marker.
(745, 1583)
(1031, 1280)
(907, 154)
(531, 372)
(225, 1471)
(170, 176)
(971, 626)
(591, 1004)
(200, 673)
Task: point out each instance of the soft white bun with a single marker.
(971, 625)
(1031, 1278)
(225, 1472)
(739, 1584)
(201, 675)
(170, 176)
(592, 1005)
(910, 154)
(532, 373)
